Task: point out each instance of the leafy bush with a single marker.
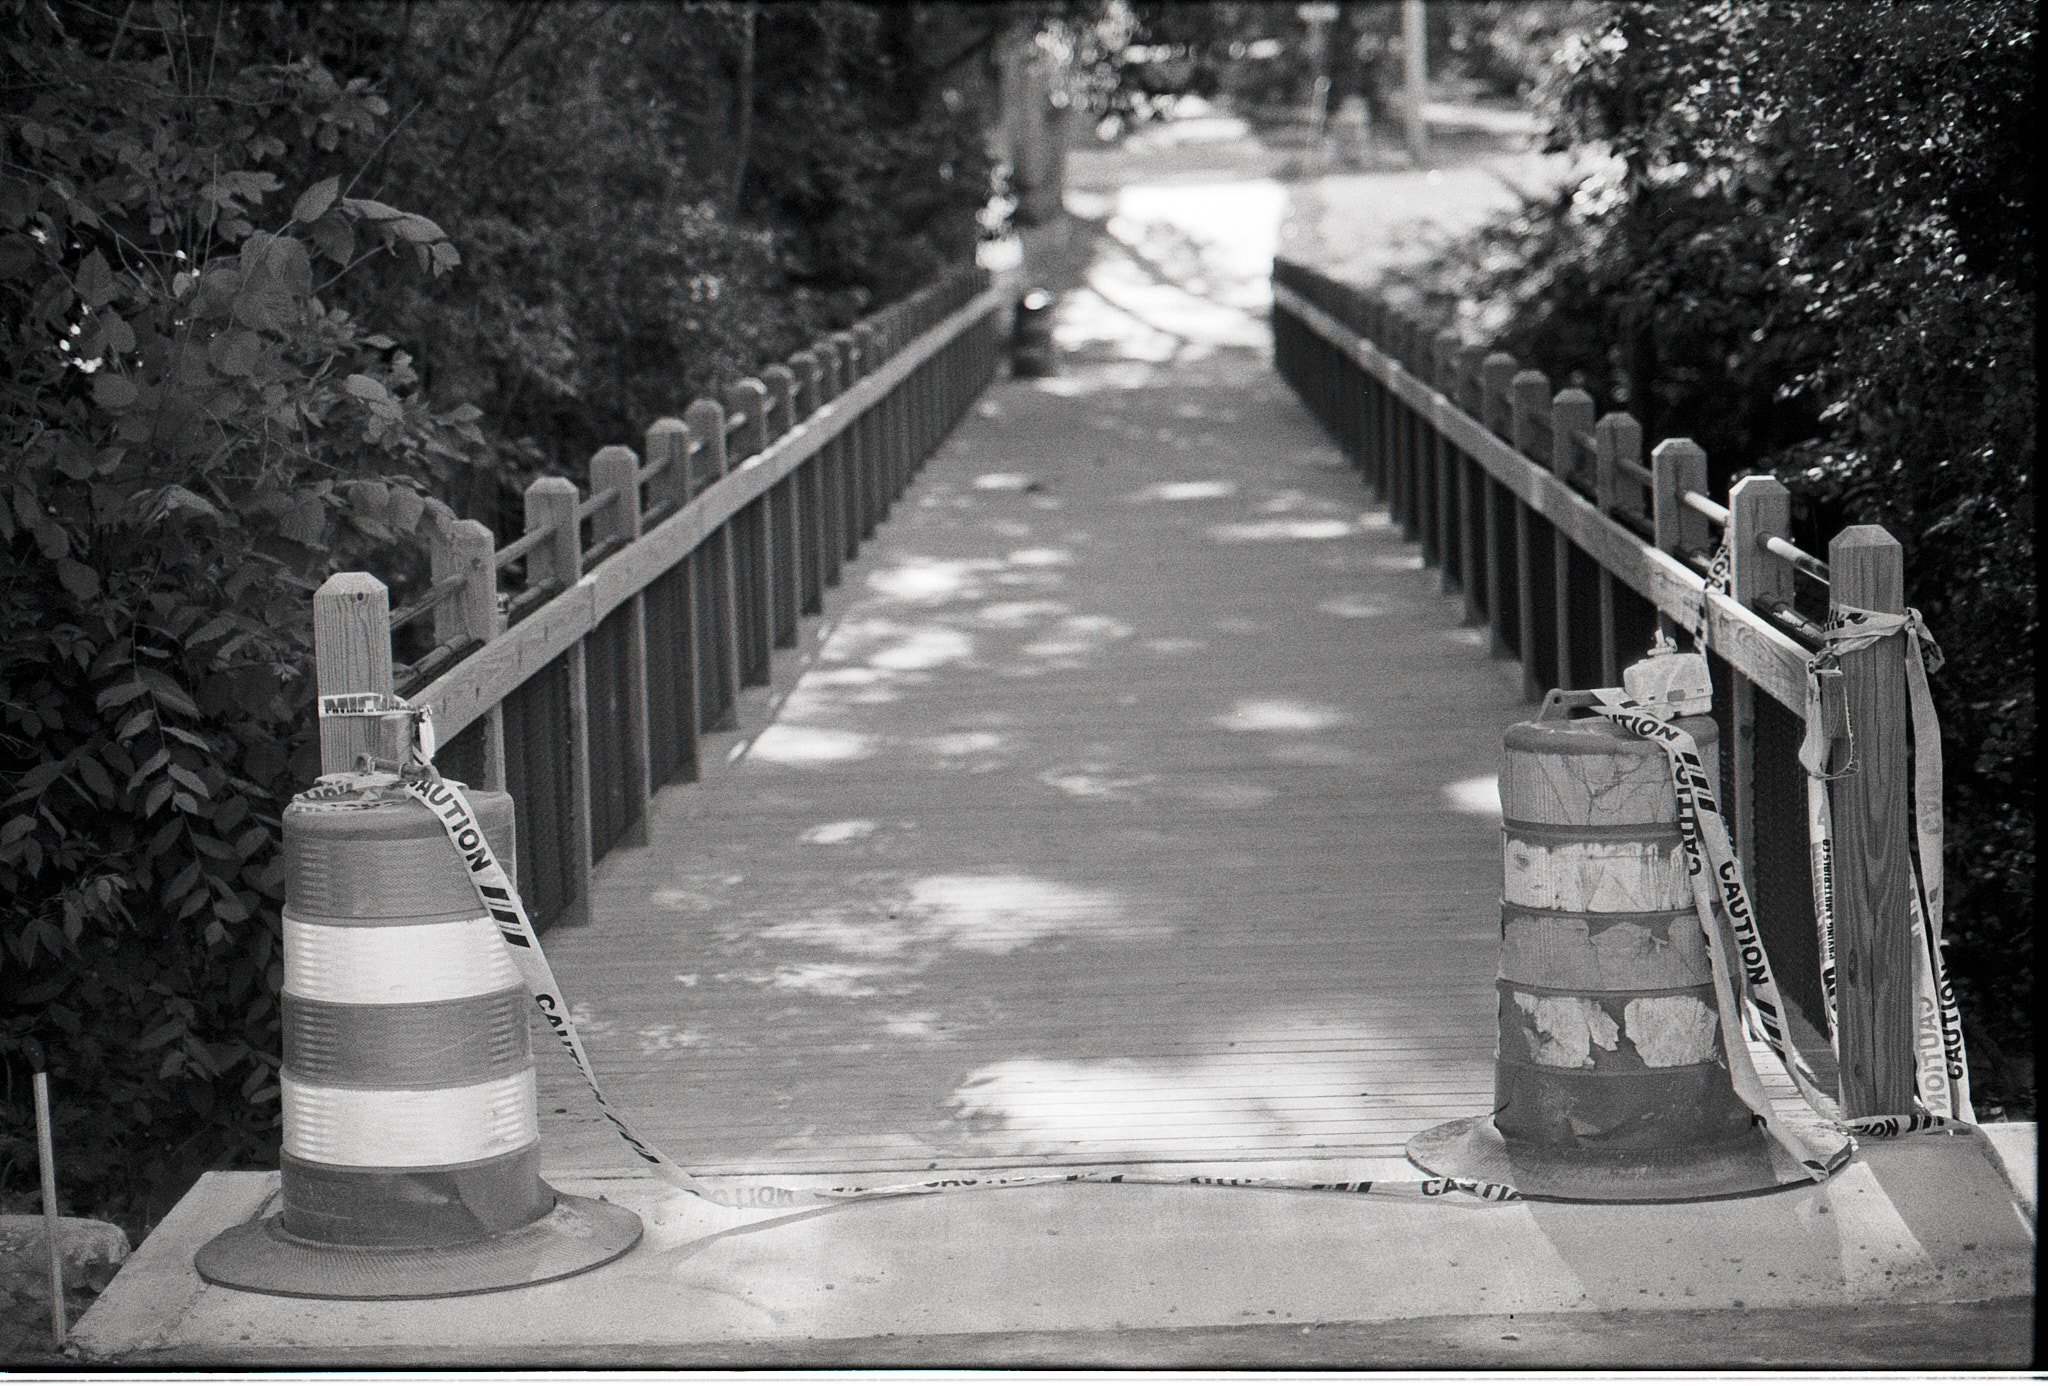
(194, 436)
(234, 365)
(1811, 249)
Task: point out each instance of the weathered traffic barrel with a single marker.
(1610, 1080)
(411, 1158)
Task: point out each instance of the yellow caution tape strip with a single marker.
(446, 801)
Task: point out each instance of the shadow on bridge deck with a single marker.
(1132, 802)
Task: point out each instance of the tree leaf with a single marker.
(364, 388)
(314, 201)
(95, 281)
(79, 580)
(114, 392)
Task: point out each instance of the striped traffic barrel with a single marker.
(410, 1165)
(1610, 1079)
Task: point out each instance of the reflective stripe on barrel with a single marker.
(1609, 1035)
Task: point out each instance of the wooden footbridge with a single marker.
(914, 772)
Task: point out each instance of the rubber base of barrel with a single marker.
(1473, 1148)
(577, 1235)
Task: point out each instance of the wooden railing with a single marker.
(1572, 552)
(642, 609)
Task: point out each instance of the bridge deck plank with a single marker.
(1106, 823)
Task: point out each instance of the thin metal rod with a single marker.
(46, 1154)
(1815, 568)
(1712, 509)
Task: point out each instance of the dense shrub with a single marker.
(1811, 248)
(276, 276)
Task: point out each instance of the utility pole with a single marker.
(1415, 59)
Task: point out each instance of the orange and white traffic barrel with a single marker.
(1610, 1081)
(411, 1156)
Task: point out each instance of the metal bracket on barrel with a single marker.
(1559, 703)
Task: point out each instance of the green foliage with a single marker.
(243, 351)
(1811, 249)
(194, 436)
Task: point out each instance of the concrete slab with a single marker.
(1150, 1275)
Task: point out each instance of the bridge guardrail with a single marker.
(1572, 553)
(646, 606)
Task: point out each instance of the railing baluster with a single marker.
(1528, 410)
(1677, 465)
(1873, 882)
(1571, 414)
(1443, 352)
(811, 544)
(714, 600)
(618, 467)
(1759, 507)
(351, 654)
(469, 549)
(551, 503)
(753, 575)
(785, 567)
(1618, 439)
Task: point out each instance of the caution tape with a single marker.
(1940, 1064)
(1753, 1004)
(451, 808)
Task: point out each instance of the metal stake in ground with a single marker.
(46, 1156)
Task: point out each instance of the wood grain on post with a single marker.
(746, 436)
(618, 467)
(1873, 823)
(810, 501)
(1496, 384)
(1759, 508)
(785, 564)
(1528, 413)
(1617, 438)
(667, 445)
(1443, 372)
(1677, 465)
(551, 504)
(746, 428)
(468, 548)
(1472, 538)
(706, 422)
(351, 654)
(1571, 414)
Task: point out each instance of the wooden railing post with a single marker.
(810, 507)
(1872, 821)
(468, 547)
(832, 474)
(1677, 465)
(746, 436)
(784, 563)
(1571, 414)
(551, 504)
(351, 654)
(857, 456)
(1443, 352)
(715, 644)
(1528, 415)
(1617, 438)
(667, 443)
(1474, 539)
(874, 442)
(618, 467)
(1759, 508)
